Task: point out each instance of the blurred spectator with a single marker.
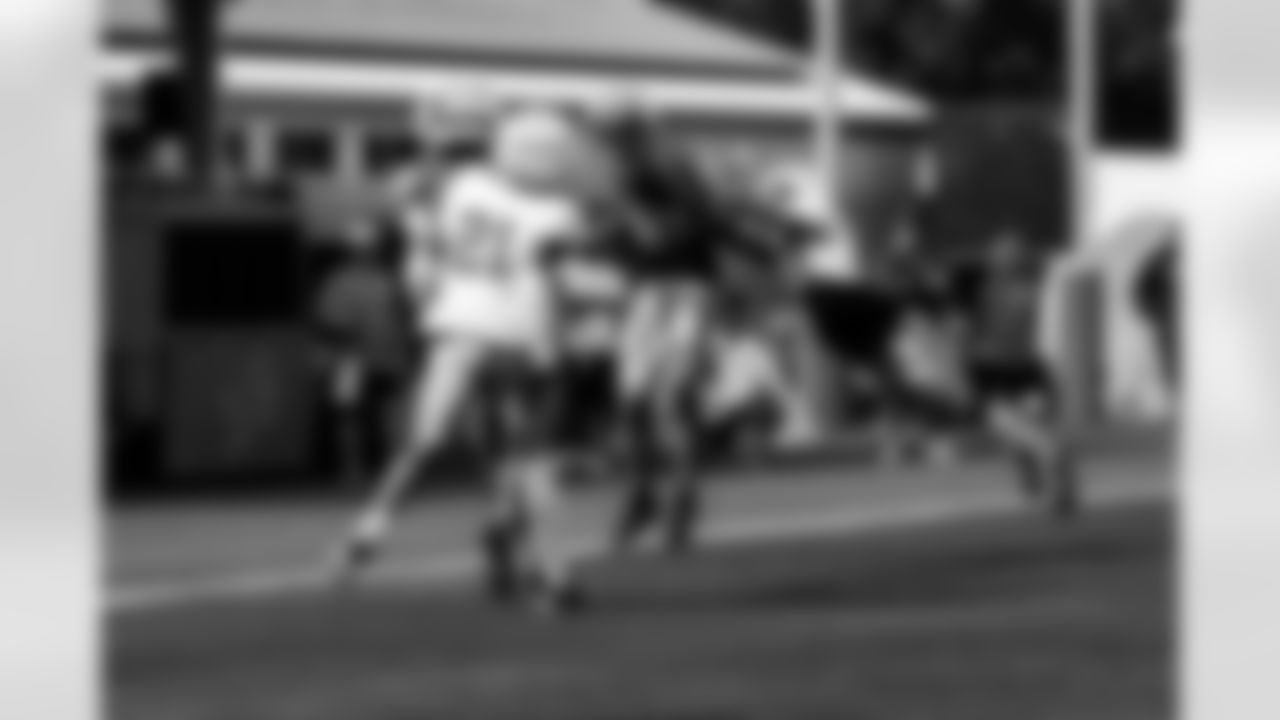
(367, 348)
(1001, 295)
(1158, 299)
(907, 257)
(930, 388)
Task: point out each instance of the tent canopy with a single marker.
(552, 44)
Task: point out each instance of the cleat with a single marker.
(1063, 494)
(354, 559)
(361, 551)
(638, 515)
(558, 601)
(503, 573)
(1030, 479)
(682, 524)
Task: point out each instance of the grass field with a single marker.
(977, 619)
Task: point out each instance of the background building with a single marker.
(322, 87)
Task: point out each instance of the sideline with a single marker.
(456, 567)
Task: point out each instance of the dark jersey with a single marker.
(1003, 307)
(669, 227)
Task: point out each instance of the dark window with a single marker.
(1141, 113)
(1140, 66)
(306, 151)
(386, 151)
(162, 103)
(233, 272)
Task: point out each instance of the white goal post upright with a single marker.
(828, 18)
(812, 409)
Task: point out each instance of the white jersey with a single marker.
(490, 279)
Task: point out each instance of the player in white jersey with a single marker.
(495, 325)
(452, 132)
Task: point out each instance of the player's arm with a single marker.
(579, 265)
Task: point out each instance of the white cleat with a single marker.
(558, 601)
(360, 551)
(1064, 493)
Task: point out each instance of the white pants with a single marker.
(453, 375)
(665, 337)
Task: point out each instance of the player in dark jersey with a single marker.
(954, 351)
(672, 238)
(1013, 391)
(665, 248)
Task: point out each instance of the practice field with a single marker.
(986, 615)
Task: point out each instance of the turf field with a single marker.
(950, 608)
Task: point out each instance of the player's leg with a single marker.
(504, 529)
(928, 419)
(638, 465)
(531, 503)
(637, 365)
(639, 469)
(685, 370)
(1044, 460)
(661, 428)
(939, 418)
(443, 388)
(590, 413)
(542, 484)
(681, 501)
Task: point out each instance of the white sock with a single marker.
(542, 497)
(373, 527)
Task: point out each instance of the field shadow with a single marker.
(1017, 560)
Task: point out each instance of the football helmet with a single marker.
(541, 147)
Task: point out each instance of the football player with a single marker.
(494, 321)
(673, 235)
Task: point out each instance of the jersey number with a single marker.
(483, 247)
